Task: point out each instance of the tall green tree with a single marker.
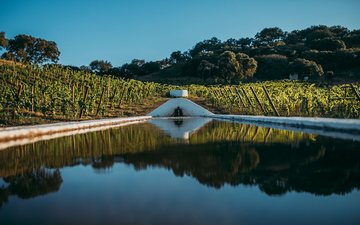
(248, 65)
(339, 31)
(3, 40)
(206, 69)
(233, 67)
(323, 31)
(206, 46)
(229, 68)
(318, 34)
(130, 70)
(272, 66)
(175, 57)
(293, 37)
(352, 39)
(138, 62)
(327, 44)
(149, 67)
(268, 36)
(100, 66)
(28, 49)
(245, 43)
(305, 67)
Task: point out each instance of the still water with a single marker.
(185, 171)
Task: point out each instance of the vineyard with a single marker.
(64, 94)
(284, 98)
(55, 93)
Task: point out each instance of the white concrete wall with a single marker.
(188, 108)
(308, 122)
(9, 133)
(179, 93)
(32, 139)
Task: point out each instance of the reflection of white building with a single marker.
(181, 127)
(294, 76)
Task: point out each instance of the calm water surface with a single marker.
(185, 171)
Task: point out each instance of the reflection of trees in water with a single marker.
(220, 153)
(276, 169)
(103, 163)
(211, 164)
(89, 148)
(84, 149)
(222, 131)
(31, 184)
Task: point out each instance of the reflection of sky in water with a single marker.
(2, 182)
(155, 196)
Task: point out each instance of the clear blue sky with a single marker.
(120, 31)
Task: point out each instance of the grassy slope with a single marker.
(53, 95)
(57, 95)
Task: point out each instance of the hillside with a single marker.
(316, 53)
(32, 94)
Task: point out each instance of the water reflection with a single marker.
(277, 168)
(30, 184)
(180, 127)
(219, 153)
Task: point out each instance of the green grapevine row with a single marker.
(58, 92)
(64, 92)
(290, 98)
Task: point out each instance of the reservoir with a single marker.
(182, 171)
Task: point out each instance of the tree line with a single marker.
(271, 54)
(28, 49)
